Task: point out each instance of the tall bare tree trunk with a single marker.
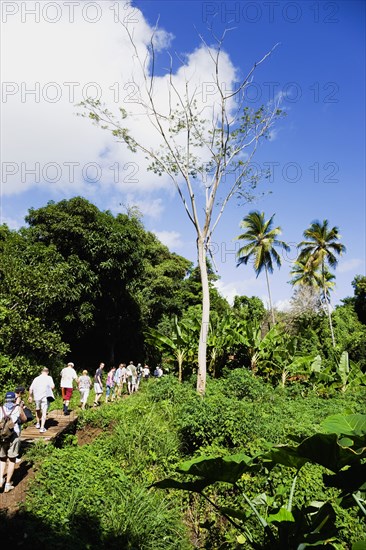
(330, 321)
(202, 345)
(328, 305)
(180, 369)
(270, 297)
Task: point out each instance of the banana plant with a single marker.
(346, 373)
(250, 335)
(341, 449)
(179, 347)
(222, 339)
(277, 356)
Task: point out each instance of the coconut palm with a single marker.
(261, 239)
(320, 250)
(304, 273)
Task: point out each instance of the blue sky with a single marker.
(317, 153)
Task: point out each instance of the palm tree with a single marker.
(320, 251)
(261, 240)
(304, 273)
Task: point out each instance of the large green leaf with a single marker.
(285, 455)
(316, 364)
(350, 480)
(322, 528)
(282, 515)
(323, 449)
(227, 468)
(351, 424)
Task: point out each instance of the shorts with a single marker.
(10, 449)
(66, 393)
(98, 388)
(42, 405)
(109, 390)
(84, 394)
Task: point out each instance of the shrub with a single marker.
(169, 388)
(242, 384)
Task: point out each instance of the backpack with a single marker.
(6, 428)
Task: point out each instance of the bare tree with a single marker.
(205, 149)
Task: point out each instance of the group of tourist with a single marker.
(124, 379)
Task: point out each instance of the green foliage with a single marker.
(179, 346)
(35, 283)
(288, 526)
(341, 373)
(17, 371)
(142, 437)
(81, 280)
(101, 504)
(350, 333)
(160, 287)
(110, 248)
(107, 503)
(359, 285)
(249, 309)
(242, 384)
(169, 389)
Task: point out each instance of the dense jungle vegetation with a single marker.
(83, 285)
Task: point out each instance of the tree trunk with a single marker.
(328, 307)
(270, 298)
(180, 363)
(330, 319)
(202, 345)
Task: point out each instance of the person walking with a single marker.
(139, 375)
(131, 377)
(146, 372)
(84, 385)
(19, 394)
(118, 381)
(68, 375)
(40, 389)
(124, 377)
(11, 416)
(98, 384)
(110, 383)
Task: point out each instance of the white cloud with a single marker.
(350, 265)
(283, 305)
(47, 146)
(171, 239)
(12, 223)
(149, 207)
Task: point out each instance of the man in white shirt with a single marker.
(68, 375)
(40, 389)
